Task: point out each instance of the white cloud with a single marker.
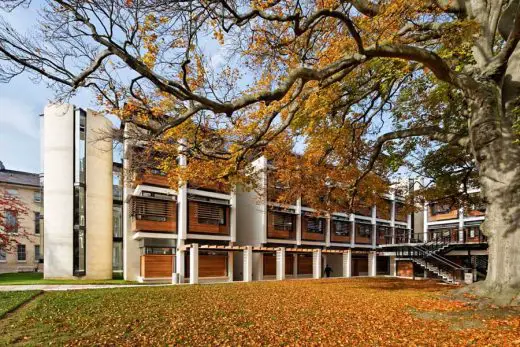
(18, 115)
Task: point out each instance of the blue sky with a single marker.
(21, 103)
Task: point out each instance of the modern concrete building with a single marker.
(22, 218)
(77, 166)
(106, 218)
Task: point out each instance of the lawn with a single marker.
(358, 311)
(11, 300)
(27, 278)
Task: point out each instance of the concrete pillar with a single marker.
(233, 216)
(280, 264)
(316, 263)
(179, 262)
(393, 235)
(425, 222)
(260, 267)
(393, 266)
(194, 263)
(299, 222)
(347, 264)
(461, 225)
(372, 264)
(248, 264)
(374, 235)
(230, 265)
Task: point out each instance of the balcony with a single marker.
(153, 178)
(153, 214)
(442, 211)
(340, 231)
(281, 225)
(313, 228)
(208, 218)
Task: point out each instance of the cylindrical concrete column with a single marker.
(194, 263)
(248, 264)
(280, 264)
(316, 264)
(347, 263)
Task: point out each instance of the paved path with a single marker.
(54, 287)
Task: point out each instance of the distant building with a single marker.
(25, 253)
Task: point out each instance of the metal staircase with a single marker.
(429, 260)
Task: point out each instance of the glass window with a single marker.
(117, 184)
(37, 196)
(3, 255)
(79, 251)
(283, 221)
(11, 221)
(12, 192)
(211, 214)
(20, 252)
(36, 222)
(36, 253)
(117, 215)
(315, 225)
(341, 228)
(117, 256)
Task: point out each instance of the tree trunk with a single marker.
(498, 161)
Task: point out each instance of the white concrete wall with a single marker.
(99, 197)
(58, 190)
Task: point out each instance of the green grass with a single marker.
(11, 300)
(362, 311)
(27, 278)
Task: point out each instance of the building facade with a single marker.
(25, 252)
(105, 218)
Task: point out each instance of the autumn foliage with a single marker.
(346, 312)
(12, 210)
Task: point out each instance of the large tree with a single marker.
(358, 86)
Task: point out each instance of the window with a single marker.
(20, 252)
(152, 209)
(283, 221)
(11, 221)
(117, 256)
(80, 165)
(37, 223)
(36, 253)
(471, 232)
(117, 224)
(365, 230)
(440, 208)
(211, 214)
(3, 255)
(12, 192)
(37, 196)
(341, 228)
(315, 225)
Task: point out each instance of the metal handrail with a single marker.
(442, 259)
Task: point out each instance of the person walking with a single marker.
(328, 270)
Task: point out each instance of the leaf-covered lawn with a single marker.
(332, 312)
(27, 278)
(11, 300)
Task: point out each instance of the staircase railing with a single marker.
(443, 264)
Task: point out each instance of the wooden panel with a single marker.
(150, 225)
(210, 265)
(360, 266)
(217, 187)
(405, 268)
(279, 234)
(310, 236)
(153, 180)
(195, 227)
(157, 266)
(270, 264)
(304, 264)
(452, 214)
